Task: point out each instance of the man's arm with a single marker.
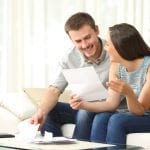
(49, 100)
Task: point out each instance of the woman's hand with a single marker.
(120, 86)
(76, 102)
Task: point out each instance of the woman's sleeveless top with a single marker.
(135, 79)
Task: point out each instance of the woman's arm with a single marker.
(144, 98)
(135, 105)
(110, 104)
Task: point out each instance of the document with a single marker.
(85, 83)
(53, 140)
(29, 133)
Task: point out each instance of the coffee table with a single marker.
(13, 143)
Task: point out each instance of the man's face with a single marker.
(86, 40)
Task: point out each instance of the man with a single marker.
(88, 50)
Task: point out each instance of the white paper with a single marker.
(58, 140)
(27, 131)
(85, 83)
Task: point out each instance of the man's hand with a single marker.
(38, 118)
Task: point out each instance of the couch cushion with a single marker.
(36, 94)
(19, 104)
(67, 130)
(139, 139)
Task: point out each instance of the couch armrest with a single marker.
(8, 121)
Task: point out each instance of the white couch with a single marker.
(16, 107)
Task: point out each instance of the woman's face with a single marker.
(113, 54)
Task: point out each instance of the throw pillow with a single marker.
(19, 104)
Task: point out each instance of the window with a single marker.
(32, 37)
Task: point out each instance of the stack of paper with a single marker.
(29, 133)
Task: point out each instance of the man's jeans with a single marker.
(61, 114)
(106, 127)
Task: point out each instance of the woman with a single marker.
(126, 109)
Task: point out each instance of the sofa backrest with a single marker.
(36, 94)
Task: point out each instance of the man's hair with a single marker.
(78, 20)
(128, 42)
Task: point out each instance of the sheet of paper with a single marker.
(85, 83)
(27, 131)
(54, 140)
